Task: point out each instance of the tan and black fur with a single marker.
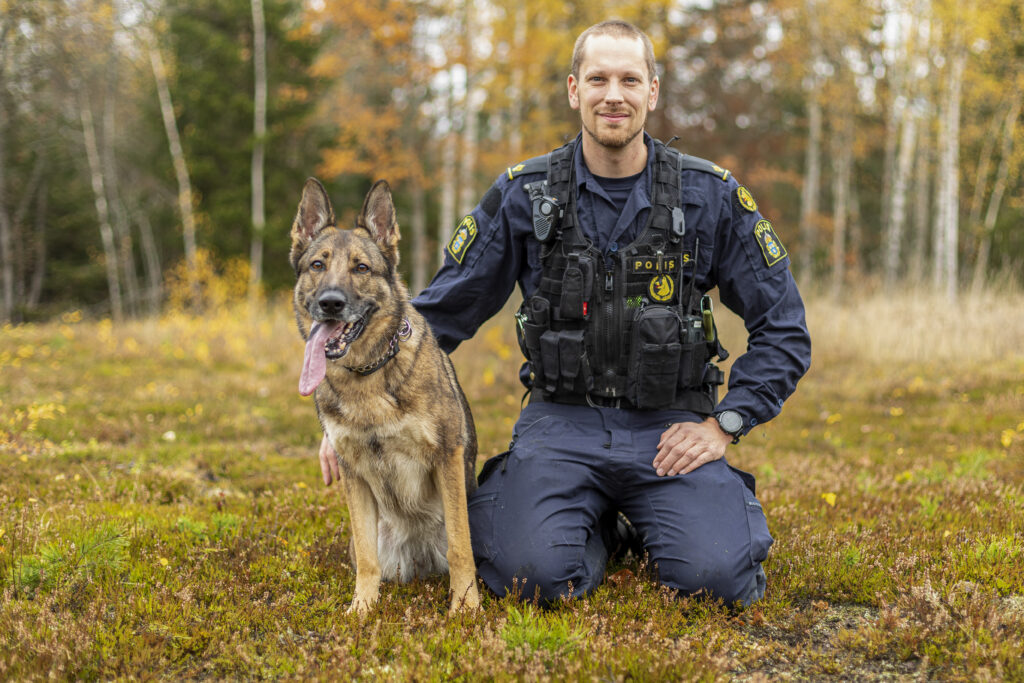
(403, 433)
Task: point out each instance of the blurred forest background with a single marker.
(146, 144)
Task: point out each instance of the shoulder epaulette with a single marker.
(534, 165)
(691, 163)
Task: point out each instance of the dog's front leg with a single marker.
(450, 481)
(362, 510)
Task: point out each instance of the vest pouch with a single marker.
(577, 283)
(654, 358)
(694, 355)
(566, 368)
(531, 322)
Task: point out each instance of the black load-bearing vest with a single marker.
(636, 334)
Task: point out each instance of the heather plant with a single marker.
(162, 516)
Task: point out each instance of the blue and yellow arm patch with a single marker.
(462, 238)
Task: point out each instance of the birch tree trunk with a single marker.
(259, 59)
(812, 157)
(898, 213)
(919, 234)
(517, 97)
(6, 255)
(809, 193)
(99, 193)
(467, 162)
(996, 199)
(947, 233)
(22, 243)
(981, 180)
(122, 231)
(420, 255)
(35, 289)
(151, 259)
(840, 194)
(178, 157)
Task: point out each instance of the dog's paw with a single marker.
(466, 601)
(361, 606)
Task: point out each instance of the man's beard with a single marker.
(616, 139)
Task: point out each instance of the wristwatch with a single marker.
(731, 423)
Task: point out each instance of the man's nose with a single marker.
(614, 92)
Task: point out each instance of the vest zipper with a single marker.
(611, 350)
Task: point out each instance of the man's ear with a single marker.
(652, 101)
(315, 213)
(573, 90)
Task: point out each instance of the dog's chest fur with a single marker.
(393, 458)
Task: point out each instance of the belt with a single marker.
(700, 401)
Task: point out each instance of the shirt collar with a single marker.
(583, 174)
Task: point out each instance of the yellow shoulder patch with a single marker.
(745, 199)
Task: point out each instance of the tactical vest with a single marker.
(632, 332)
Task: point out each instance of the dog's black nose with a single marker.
(332, 303)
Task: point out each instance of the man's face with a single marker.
(614, 91)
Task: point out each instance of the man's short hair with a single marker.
(616, 28)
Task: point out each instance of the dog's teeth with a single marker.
(348, 326)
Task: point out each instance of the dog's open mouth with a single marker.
(337, 344)
(327, 340)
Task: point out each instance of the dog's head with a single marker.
(348, 291)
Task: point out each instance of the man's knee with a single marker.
(721, 580)
(547, 574)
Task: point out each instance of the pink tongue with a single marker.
(314, 364)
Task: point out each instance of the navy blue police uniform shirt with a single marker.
(737, 250)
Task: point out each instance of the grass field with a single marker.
(162, 515)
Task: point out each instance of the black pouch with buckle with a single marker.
(694, 354)
(654, 358)
(577, 281)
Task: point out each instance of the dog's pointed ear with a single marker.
(315, 213)
(378, 218)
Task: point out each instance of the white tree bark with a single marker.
(259, 59)
(35, 289)
(901, 184)
(418, 223)
(947, 228)
(6, 255)
(812, 158)
(471, 108)
(152, 262)
(840, 195)
(122, 231)
(996, 198)
(99, 194)
(810, 192)
(178, 157)
(919, 237)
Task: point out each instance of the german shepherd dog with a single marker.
(387, 398)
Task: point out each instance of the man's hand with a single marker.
(329, 462)
(685, 446)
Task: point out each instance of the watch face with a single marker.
(730, 421)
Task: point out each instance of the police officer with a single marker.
(613, 240)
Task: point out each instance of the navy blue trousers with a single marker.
(535, 519)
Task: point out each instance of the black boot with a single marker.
(620, 536)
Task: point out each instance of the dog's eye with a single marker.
(316, 266)
(362, 268)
